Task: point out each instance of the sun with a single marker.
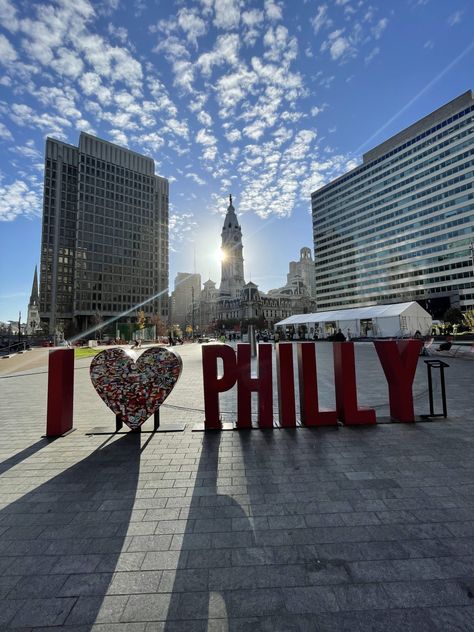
(221, 255)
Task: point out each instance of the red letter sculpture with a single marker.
(346, 390)
(399, 361)
(60, 392)
(246, 384)
(310, 413)
(213, 384)
(286, 385)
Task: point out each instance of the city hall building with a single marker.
(104, 243)
(400, 226)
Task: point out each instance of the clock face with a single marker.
(236, 238)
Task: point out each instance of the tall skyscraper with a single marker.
(186, 295)
(232, 265)
(400, 226)
(105, 234)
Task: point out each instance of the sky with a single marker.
(264, 99)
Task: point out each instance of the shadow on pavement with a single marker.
(61, 543)
(198, 586)
(24, 454)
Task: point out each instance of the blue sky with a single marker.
(265, 99)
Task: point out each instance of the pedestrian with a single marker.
(339, 337)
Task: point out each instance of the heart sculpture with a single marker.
(134, 387)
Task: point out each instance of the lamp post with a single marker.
(192, 310)
(19, 327)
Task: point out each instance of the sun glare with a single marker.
(221, 256)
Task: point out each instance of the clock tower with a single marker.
(232, 273)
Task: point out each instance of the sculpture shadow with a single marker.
(199, 588)
(61, 543)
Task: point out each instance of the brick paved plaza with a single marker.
(358, 529)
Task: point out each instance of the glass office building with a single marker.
(400, 226)
(105, 235)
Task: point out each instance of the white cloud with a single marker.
(204, 118)
(5, 132)
(183, 74)
(337, 44)
(252, 21)
(227, 14)
(7, 52)
(119, 137)
(379, 28)
(373, 53)
(179, 128)
(17, 199)
(225, 51)
(92, 84)
(233, 135)
(192, 24)
(273, 10)
(321, 19)
(181, 226)
(119, 32)
(455, 18)
(52, 124)
(8, 17)
(152, 140)
(279, 45)
(195, 178)
(67, 63)
(203, 137)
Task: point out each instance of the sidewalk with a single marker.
(322, 530)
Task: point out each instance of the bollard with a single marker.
(60, 392)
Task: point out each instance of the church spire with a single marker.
(34, 298)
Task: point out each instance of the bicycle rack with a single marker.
(436, 364)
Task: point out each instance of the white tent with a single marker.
(381, 321)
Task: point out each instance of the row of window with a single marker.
(425, 204)
(414, 161)
(400, 187)
(417, 192)
(359, 272)
(408, 236)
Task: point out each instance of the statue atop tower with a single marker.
(232, 266)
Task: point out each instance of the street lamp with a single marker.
(192, 310)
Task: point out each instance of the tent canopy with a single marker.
(357, 313)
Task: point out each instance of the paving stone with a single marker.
(146, 608)
(310, 599)
(48, 611)
(86, 584)
(89, 610)
(133, 582)
(361, 597)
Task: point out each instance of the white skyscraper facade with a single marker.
(400, 226)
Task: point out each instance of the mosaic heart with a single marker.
(134, 387)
